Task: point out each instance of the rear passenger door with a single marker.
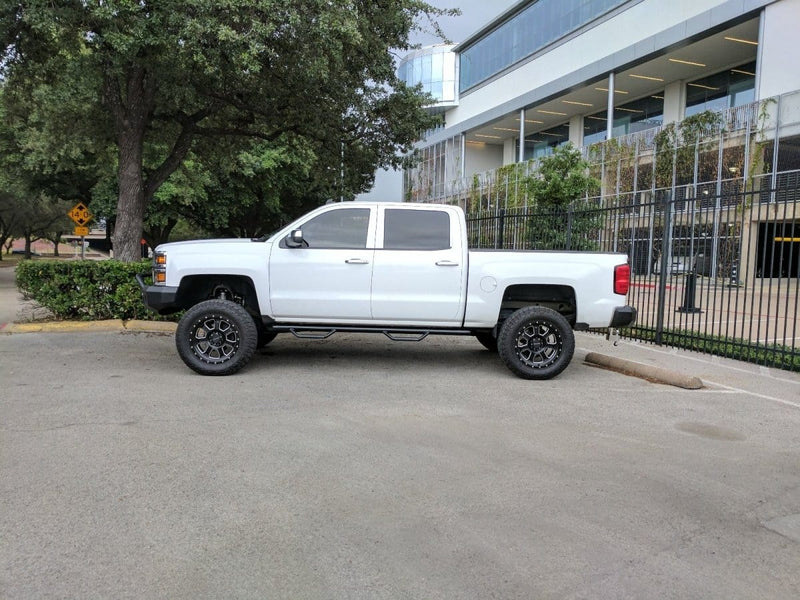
(419, 270)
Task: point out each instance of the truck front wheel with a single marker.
(536, 343)
(216, 337)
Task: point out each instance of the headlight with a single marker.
(159, 268)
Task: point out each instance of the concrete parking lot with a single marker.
(362, 468)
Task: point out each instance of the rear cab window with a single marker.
(408, 229)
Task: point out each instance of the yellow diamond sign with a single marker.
(80, 214)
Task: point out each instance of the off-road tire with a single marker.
(536, 343)
(216, 337)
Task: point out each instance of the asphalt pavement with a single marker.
(356, 467)
(664, 365)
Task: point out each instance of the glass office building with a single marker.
(528, 31)
(433, 68)
(551, 72)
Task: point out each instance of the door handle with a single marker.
(357, 261)
(446, 263)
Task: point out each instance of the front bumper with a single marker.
(159, 298)
(623, 316)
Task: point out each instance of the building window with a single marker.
(543, 143)
(534, 27)
(721, 91)
(434, 68)
(632, 117)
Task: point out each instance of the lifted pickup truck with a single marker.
(400, 269)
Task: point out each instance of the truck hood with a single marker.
(233, 256)
(205, 245)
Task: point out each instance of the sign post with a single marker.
(81, 216)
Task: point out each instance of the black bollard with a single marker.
(688, 294)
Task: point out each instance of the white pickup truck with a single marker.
(400, 269)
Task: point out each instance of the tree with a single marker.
(9, 221)
(160, 75)
(31, 217)
(558, 190)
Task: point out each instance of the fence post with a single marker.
(501, 226)
(570, 212)
(666, 241)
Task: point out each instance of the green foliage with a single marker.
(85, 290)
(770, 355)
(576, 227)
(677, 143)
(558, 191)
(561, 178)
(136, 86)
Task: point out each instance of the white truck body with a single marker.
(387, 266)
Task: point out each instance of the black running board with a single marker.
(322, 332)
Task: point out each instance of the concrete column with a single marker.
(576, 131)
(610, 107)
(463, 155)
(674, 102)
(521, 157)
(509, 151)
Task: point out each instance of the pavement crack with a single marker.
(69, 426)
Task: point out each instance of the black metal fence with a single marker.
(714, 268)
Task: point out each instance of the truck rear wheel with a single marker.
(216, 337)
(536, 343)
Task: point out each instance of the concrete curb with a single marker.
(648, 372)
(151, 326)
(96, 326)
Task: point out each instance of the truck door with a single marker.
(328, 277)
(419, 267)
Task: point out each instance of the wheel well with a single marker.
(560, 298)
(237, 288)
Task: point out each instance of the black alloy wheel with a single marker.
(536, 343)
(216, 337)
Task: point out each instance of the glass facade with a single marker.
(632, 117)
(734, 87)
(435, 69)
(528, 31)
(433, 168)
(544, 142)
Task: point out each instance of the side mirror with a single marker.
(295, 239)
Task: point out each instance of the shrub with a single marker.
(770, 355)
(85, 290)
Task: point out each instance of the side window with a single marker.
(416, 230)
(343, 228)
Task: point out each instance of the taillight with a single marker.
(622, 279)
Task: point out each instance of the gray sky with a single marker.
(474, 14)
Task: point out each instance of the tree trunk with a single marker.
(132, 113)
(130, 206)
(28, 242)
(131, 109)
(56, 241)
(159, 235)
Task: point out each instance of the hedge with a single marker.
(769, 355)
(85, 290)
